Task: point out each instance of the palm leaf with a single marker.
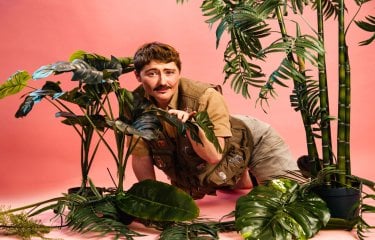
(157, 201)
(285, 71)
(279, 210)
(193, 231)
(99, 216)
(303, 46)
(331, 8)
(368, 26)
(240, 71)
(305, 98)
(14, 84)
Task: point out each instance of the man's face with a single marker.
(160, 80)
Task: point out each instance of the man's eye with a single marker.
(169, 72)
(151, 74)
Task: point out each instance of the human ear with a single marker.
(137, 76)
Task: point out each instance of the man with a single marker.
(196, 168)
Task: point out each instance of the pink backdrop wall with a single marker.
(39, 154)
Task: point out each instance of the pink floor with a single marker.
(213, 207)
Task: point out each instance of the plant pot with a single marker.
(87, 191)
(342, 202)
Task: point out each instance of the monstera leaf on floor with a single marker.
(157, 201)
(280, 210)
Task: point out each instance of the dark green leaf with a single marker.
(50, 89)
(278, 209)
(368, 26)
(157, 201)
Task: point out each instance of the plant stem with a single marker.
(300, 86)
(341, 128)
(323, 95)
(34, 205)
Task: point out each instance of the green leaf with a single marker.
(157, 201)
(101, 216)
(184, 231)
(368, 26)
(203, 121)
(279, 210)
(14, 84)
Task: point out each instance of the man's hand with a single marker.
(182, 115)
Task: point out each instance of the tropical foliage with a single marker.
(259, 30)
(89, 109)
(251, 25)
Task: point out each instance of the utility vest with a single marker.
(186, 170)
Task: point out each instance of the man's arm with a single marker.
(207, 151)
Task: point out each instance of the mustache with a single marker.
(162, 87)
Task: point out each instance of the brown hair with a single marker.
(156, 51)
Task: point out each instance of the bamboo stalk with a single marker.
(324, 99)
(341, 128)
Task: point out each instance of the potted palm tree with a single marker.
(258, 29)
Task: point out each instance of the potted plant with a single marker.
(256, 30)
(97, 96)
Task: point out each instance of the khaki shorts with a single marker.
(271, 155)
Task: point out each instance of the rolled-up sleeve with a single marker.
(213, 102)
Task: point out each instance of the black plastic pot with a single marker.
(342, 202)
(87, 191)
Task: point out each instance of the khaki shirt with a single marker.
(212, 102)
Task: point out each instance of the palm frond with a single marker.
(303, 46)
(305, 98)
(331, 8)
(192, 231)
(298, 5)
(368, 26)
(240, 71)
(99, 216)
(286, 71)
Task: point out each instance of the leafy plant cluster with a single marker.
(152, 203)
(281, 209)
(258, 30)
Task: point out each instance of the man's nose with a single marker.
(163, 79)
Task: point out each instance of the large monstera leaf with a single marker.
(279, 210)
(157, 201)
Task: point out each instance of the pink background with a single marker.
(39, 156)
